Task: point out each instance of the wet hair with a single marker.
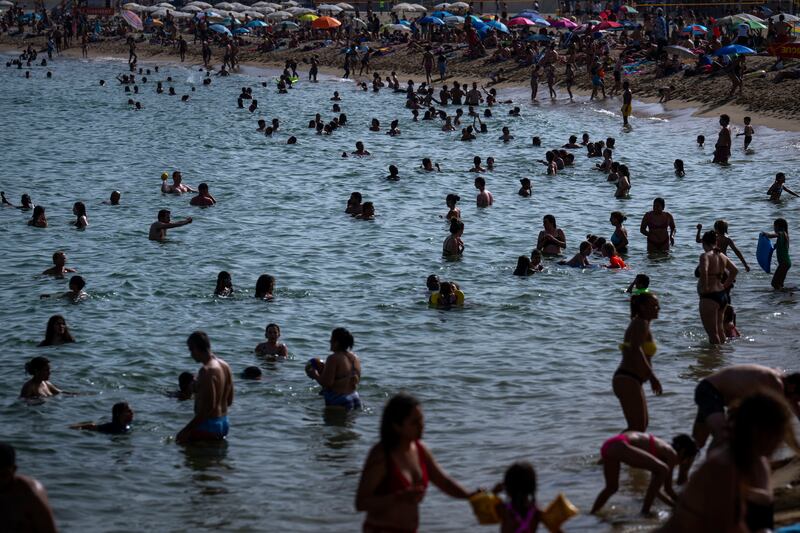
(536, 141)
(454, 198)
(476, 161)
(549, 218)
(118, 409)
(520, 485)
(50, 332)
(710, 238)
(36, 364)
(701, 139)
(480, 182)
(523, 266)
(684, 446)
(8, 457)
(642, 281)
(780, 224)
(265, 284)
(342, 339)
(617, 215)
(637, 300)
(80, 207)
(199, 341)
(396, 411)
(251, 372)
(185, 380)
(57, 254)
(162, 213)
(758, 416)
(609, 248)
(78, 281)
(432, 283)
(456, 226)
(38, 212)
(585, 245)
(223, 282)
(721, 227)
(659, 201)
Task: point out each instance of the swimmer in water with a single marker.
(23, 500)
(715, 277)
(114, 199)
(722, 150)
(203, 198)
(75, 293)
(476, 165)
(520, 514)
(340, 374)
(432, 284)
(224, 286)
(428, 166)
(177, 187)
(38, 219)
(679, 170)
(453, 213)
(272, 348)
(620, 236)
(581, 259)
(265, 287)
(523, 267)
(701, 140)
(614, 260)
(646, 452)
(158, 229)
(393, 128)
(484, 198)
(536, 261)
(57, 332)
(526, 189)
(367, 212)
(723, 241)
(781, 233)
(79, 210)
(39, 385)
(393, 173)
(778, 186)
(213, 397)
(360, 151)
(659, 228)
(453, 246)
(121, 419)
(186, 386)
(354, 206)
(58, 269)
(252, 372)
(551, 240)
(639, 285)
(25, 203)
(506, 136)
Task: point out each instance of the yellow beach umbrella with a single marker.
(308, 17)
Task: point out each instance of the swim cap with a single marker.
(164, 175)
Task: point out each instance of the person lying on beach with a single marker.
(644, 451)
(58, 269)
(778, 186)
(121, 419)
(158, 229)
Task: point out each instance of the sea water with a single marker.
(521, 372)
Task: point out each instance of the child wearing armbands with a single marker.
(520, 514)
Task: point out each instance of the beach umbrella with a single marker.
(454, 20)
(541, 22)
(459, 6)
(219, 28)
(419, 8)
(539, 37)
(497, 25)
(241, 31)
(442, 7)
(748, 16)
(755, 25)
(289, 3)
(308, 17)
(696, 29)
(476, 22)
(530, 15)
(345, 6)
(263, 9)
(680, 50)
(278, 15)
(521, 21)
(201, 5)
(132, 19)
(325, 23)
(732, 49)
(6, 3)
(402, 7)
(297, 10)
(129, 6)
(330, 8)
(191, 9)
(167, 5)
(288, 25)
(629, 10)
(256, 24)
(254, 14)
(607, 25)
(399, 27)
(441, 14)
(182, 15)
(358, 23)
(786, 18)
(239, 7)
(227, 6)
(431, 20)
(564, 23)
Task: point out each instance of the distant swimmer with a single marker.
(340, 374)
(121, 419)
(186, 387)
(75, 292)
(114, 199)
(177, 187)
(265, 287)
(39, 385)
(158, 229)
(360, 150)
(57, 332)
(213, 397)
(224, 286)
(484, 198)
(25, 203)
(38, 219)
(203, 198)
(79, 210)
(23, 500)
(58, 269)
(272, 348)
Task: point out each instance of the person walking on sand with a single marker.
(427, 64)
(213, 396)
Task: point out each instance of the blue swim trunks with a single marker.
(210, 429)
(348, 401)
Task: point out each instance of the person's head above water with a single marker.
(186, 382)
(252, 372)
(122, 414)
(341, 340)
(115, 197)
(432, 283)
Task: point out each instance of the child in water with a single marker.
(777, 187)
(729, 323)
(748, 133)
(272, 348)
(679, 171)
(781, 233)
(581, 259)
(525, 189)
(536, 260)
(640, 284)
(520, 513)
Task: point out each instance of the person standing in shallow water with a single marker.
(722, 150)
(659, 228)
(213, 397)
(23, 500)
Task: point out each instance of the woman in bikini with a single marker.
(397, 471)
(716, 274)
(636, 368)
(340, 373)
(551, 240)
(644, 451)
(453, 246)
(659, 228)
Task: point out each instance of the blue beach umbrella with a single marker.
(530, 15)
(256, 24)
(219, 28)
(431, 20)
(695, 29)
(499, 26)
(476, 22)
(441, 14)
(404, 22)
(732, 49)
(241, 31)
(538, 37)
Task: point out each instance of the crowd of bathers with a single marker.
(745, 408)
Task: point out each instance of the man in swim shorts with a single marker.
(725, 388)
(23, 500)
(213, 396)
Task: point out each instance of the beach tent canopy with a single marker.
(325, 23)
